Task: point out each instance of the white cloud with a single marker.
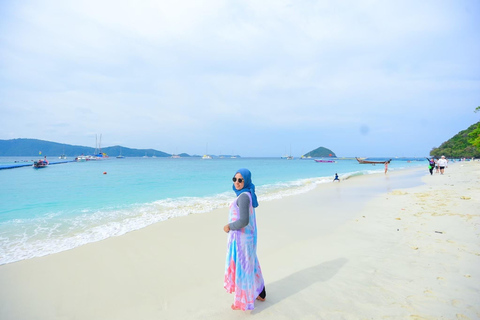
(189, 69)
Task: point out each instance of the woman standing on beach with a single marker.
(243, 275)
(431, 165)
(442, 164)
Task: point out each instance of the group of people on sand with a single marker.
(438, 164)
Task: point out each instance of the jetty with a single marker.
(29, 164)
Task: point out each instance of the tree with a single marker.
(459, 145)
(475, 134)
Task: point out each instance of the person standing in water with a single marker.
(386, 166)
(336, 178)
(243, 275)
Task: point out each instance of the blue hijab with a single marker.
(248, 186)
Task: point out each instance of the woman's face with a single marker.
(239, 185)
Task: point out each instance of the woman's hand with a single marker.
(226, 228)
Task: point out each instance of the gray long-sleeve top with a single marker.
(243, 203)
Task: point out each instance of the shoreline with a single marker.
(333, 252)
(91, 228)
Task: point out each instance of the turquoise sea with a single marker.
(62, 206)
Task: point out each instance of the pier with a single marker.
(29, 164)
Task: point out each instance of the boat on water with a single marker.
(206, 156)
(99, 154)
(62, 157)
(325, 161)
(120, 155)
(42, 163)
(363, 161)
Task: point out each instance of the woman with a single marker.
(431, 165)
(442, 164)
(243, 275)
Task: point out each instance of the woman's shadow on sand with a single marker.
(299, 281)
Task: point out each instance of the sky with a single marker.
(254, 78)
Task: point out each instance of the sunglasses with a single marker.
(240, 180)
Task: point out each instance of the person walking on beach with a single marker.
(386, 166)
(243, 275)
(442, 164)
(336, 178)
(431, 165)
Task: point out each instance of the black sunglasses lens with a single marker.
(240, 180)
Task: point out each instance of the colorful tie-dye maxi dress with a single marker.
(242, 269)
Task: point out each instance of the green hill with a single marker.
(32, 147)
(320, 152)
(458, 146)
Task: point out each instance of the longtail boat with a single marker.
(363, 161)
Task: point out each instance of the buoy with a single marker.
(105, 172)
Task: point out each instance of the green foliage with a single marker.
(320, 152)
(475, 137)
(475, 134)
(465, 144)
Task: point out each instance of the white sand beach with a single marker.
(369, 247)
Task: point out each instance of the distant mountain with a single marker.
(320, 152)
(33, 147)
(458, 146)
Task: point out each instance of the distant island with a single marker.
(33, 147)
(320, 152)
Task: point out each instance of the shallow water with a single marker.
(66, 205)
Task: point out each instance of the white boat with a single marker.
(99, 155)
(206, 156)
(288, 156)
(120, 155)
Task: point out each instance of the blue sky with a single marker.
(255, 78)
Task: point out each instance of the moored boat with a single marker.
(325, 161)
(363, 161)
(42, 163)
